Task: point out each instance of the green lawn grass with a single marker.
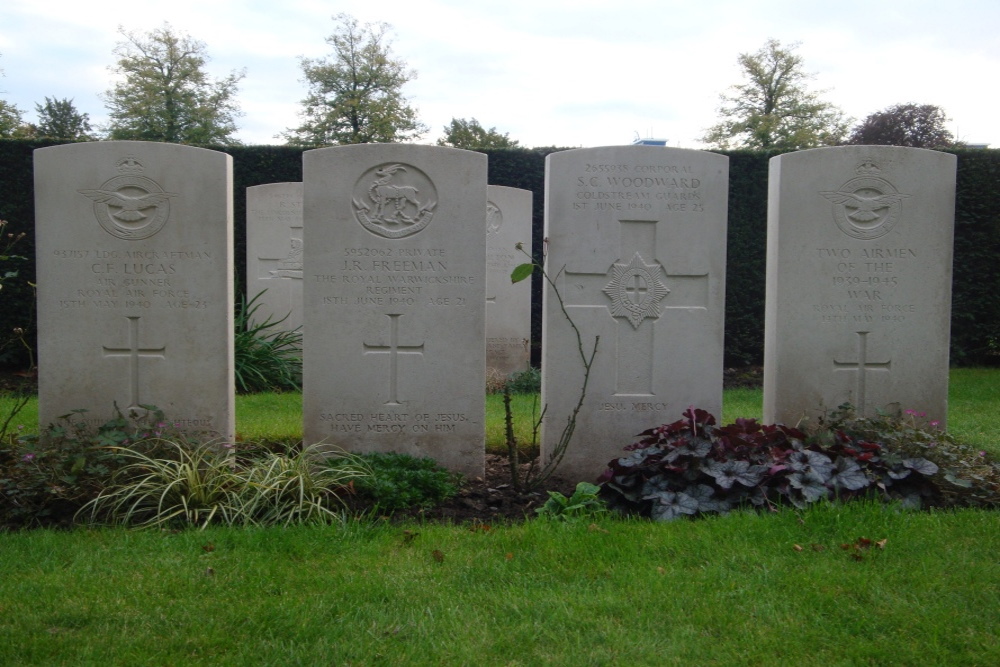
(974, 412)
(744, 588)
(731, 590)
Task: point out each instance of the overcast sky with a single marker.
(548, 72)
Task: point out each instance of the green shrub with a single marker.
(694, 467)
(267, 358)
(968, 476)
(401, 481)
(46, 484)
(528, 381)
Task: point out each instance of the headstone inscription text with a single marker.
(858, 281)
(135, 293)
(508, 305)
(394, 270)
(274, 252)
(637, 243)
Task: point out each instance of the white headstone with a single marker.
(395, 300)
(859, 258)
(637, 245)
(508, 305)
(135, 282)
(274, 252)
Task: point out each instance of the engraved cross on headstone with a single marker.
(862, 366)
(134, 353)
(637, 290)
(394, 349)
(636, 332)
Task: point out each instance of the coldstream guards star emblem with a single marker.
(866, 207)
(122, 205)
(636, 290)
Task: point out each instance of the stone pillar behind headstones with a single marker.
(135, 282)
(274, 253)
(637, 245)
(394, 334)
(859, 258)
(508, 305)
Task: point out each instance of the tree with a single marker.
(355, 95)
(469, 134)
(773, 109)
(59, 119)
(166, 94)
(12, 123)
(914, 125)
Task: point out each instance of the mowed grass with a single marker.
(744, 589)
(791, 587)
(973, 406)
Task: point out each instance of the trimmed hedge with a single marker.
(976, 284)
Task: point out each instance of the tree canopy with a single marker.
(470, 135)
(165, 94)
(913, 125)
(773, 108)
(355, 95)
(60, 119)
(11, 120)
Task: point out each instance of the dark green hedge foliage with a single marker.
(976, 287)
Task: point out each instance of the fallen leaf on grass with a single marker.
(438, 556)
(509, 556)
(862, 544)
(661, 570)
(209, 572)
(409, 536)
(797, 547)
(208, 547)
(594, 528)
(818, 547)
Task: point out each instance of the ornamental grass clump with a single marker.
(267, 358)
(201, 484)
(693, 467)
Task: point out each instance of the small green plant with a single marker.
(45, 478)
(583, 504)
(267, 358)
(400, 481)
(528, 381)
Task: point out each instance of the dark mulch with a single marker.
(492, 498)
(15, 380)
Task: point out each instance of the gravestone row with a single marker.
(395, 261)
